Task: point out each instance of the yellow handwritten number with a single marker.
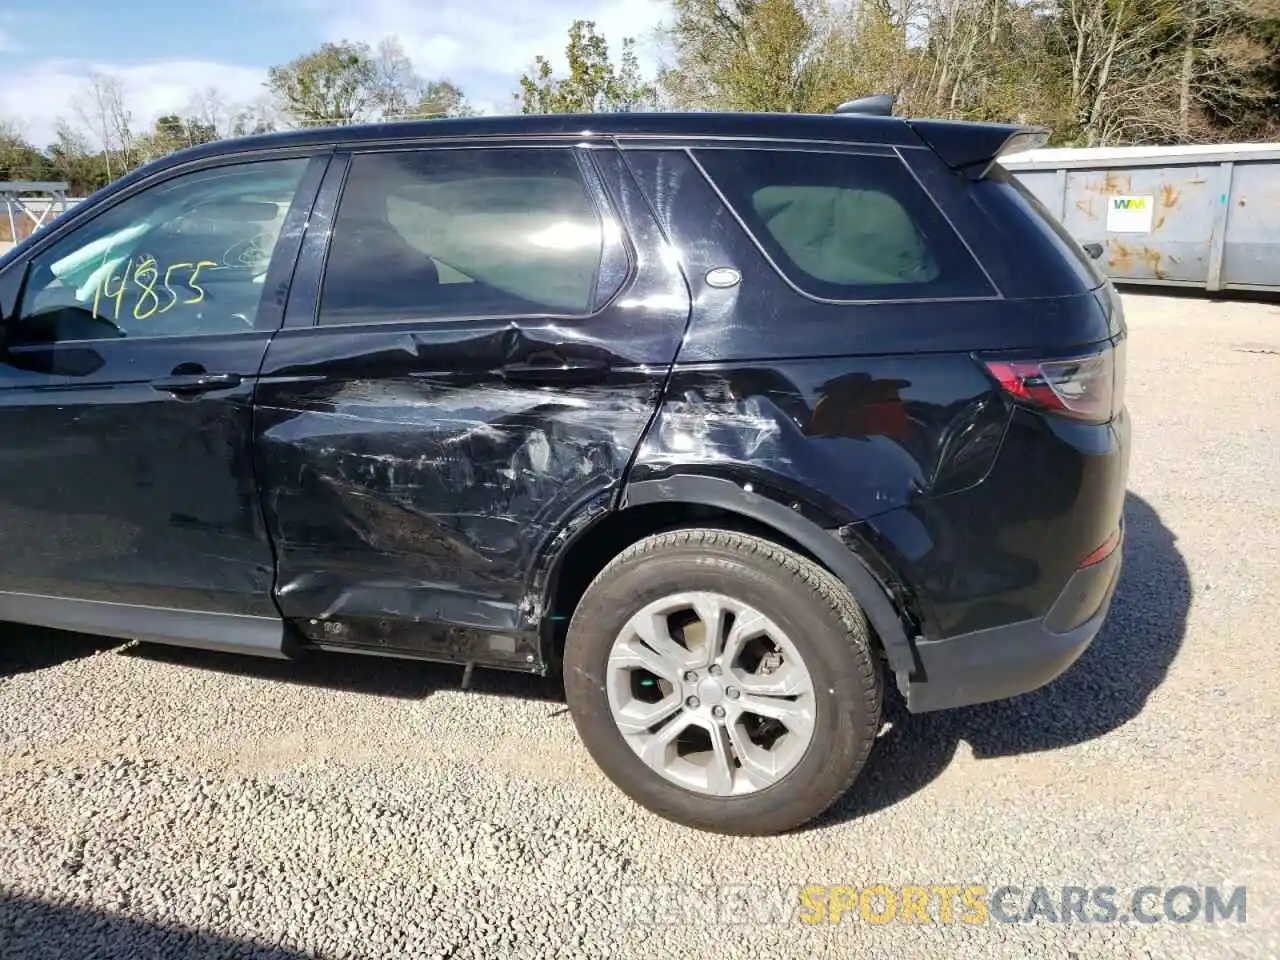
(97, 293)
(192, 281)
(173, 297)
(118, 294)
(145, 276)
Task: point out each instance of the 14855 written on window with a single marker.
(188, 256)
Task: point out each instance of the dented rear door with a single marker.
(476, 341)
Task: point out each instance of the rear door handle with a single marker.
(570, 371)
(187, 384)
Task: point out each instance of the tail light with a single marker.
(1081, 387)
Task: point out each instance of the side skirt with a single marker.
(517, 650)
(230, 632)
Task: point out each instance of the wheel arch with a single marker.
(652, 506)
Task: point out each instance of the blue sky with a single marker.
(166, 51)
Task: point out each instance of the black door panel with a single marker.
(125, 473)
(113, 490)
(428, 491)
(414, 471)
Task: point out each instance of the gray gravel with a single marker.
(165, 803)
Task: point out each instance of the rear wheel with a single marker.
(722, 681)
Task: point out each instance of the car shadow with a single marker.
(1197, 293)
(354, 673)
(24, 648)
(35, 930)
(1106, 688)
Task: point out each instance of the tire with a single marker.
(816, 616)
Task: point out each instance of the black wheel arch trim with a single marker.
(823, 544)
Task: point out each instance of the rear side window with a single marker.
(1036, 234)
(468, 233)
(845, 227)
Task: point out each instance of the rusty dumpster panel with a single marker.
(1251, 258)
(1187, 216)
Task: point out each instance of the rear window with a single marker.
(844, 226)
(1036, 234)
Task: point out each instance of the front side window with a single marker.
(466, 233)
(845, 226)
(188, 256)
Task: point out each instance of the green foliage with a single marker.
(19, 160)
(335, 84)
(765, 55)
(1093, 71)
(71, 160)
(347, 82)
(594, 84)
(441, 98)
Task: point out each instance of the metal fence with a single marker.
(26, 206)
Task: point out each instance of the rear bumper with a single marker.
(1009, 660)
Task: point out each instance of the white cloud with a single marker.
(484, 45)
(36, 96)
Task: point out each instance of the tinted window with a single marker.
(845, 227)
(186, 256)
(448, 233)
(1036, 234)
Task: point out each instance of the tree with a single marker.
(335, 84)
(19, 160)
(990, 60)
(214, 112)
(769, 55)
(171, 133)
(402, 93)
(441, 98)
(1095, 71)
(594, 84)
(74, 161)
(1229, 68)
(262, 115)
(347, 82)
(102, 109)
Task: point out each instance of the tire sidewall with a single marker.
(841, 709)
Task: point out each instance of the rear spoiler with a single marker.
(972, 149)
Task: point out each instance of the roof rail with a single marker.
(880, 105)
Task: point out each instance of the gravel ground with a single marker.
(167, 803)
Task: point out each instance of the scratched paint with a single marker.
(433, 498)
(419, 472)
(864, 433)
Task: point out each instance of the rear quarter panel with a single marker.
(851, 411)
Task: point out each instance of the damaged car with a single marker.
(737, 423)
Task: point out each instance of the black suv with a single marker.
(731, 420)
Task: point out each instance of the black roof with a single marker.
(854, 128)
